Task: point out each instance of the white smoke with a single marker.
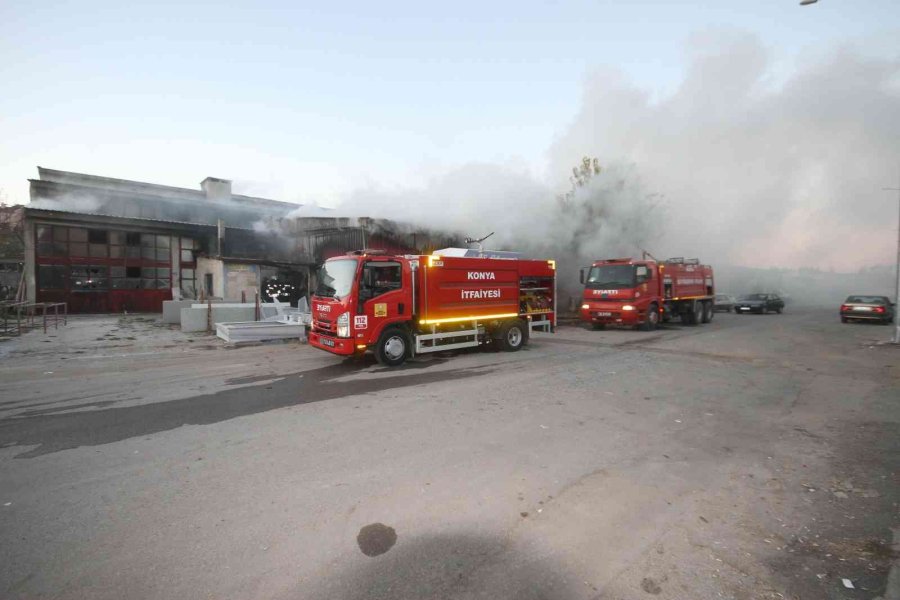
(69, 203)
(754, 173)
(731, 168)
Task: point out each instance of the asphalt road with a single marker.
(754, 457)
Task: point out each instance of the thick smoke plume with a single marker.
(735, 167)
(757, 172)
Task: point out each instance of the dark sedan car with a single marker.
(759, 303)
(867, 308)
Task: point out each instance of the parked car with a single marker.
(723, 303)
(759, 303)
(867, 308)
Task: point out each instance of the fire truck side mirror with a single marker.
(581, 275)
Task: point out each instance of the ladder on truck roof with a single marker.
(684, 261)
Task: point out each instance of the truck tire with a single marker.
(694, 315)
(651, 319)
(512, 335)
(708, 312)
(393, 347)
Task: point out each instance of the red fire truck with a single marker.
(641, 293)
(401, 306)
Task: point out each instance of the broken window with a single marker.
(89, 278)
(98, 236)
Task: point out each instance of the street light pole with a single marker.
(896, 338)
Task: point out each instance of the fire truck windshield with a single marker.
(335, 278)
(612, 277)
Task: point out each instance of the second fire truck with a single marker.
(642, 293)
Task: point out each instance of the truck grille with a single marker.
(324, 326)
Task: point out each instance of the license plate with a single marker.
(863, 308)
(327, 342)
(604, 314)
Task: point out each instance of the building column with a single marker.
(30, 253)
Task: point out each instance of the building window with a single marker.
(51, 277)
(155, 247)
(188, 246)
(52, 241)
(188, 275)
(155, 278)
(89, 278)
(125, 278)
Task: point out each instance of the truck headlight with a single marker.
(585, 306)
(343, 325)
(628, 307)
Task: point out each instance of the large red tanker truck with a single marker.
(641, 293)
(401, 306)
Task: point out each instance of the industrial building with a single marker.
(111, 245)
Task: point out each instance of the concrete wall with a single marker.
(171, 310)
(217, 268)
(242, 278)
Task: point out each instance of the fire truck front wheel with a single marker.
(392, 347)
(512, 335)
(651, 320)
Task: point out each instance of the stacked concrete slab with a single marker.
(195, 318)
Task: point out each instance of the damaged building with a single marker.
(106, 245)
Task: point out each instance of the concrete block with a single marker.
(171, 312)
(172, 309)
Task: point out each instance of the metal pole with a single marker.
(896, 338)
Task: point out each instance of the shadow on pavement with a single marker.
(448, 566)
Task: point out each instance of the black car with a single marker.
(867, 308)
(723, 303)
(759, 303)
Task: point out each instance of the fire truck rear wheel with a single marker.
(392, 347)
(512, 335)
(707, 312)
(694, 314)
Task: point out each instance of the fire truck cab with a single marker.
(641, 293)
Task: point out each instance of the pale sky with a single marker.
(304, 101)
